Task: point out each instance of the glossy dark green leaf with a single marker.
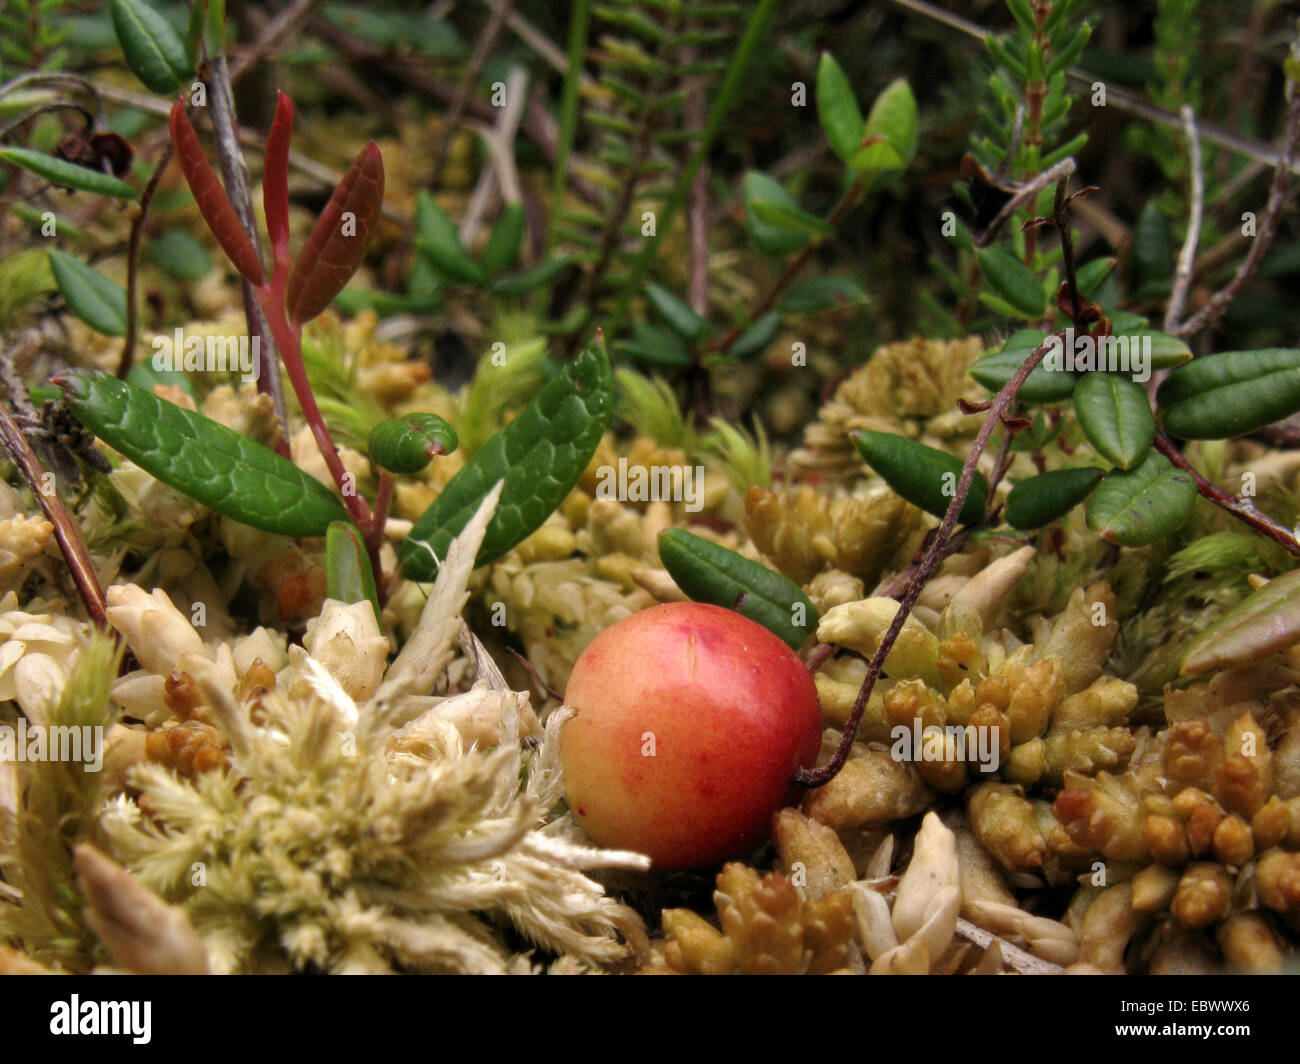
(92, 297)
(1040, 500)
(791, 217)
(707, 572)
(1091, 274)
(924, 476)
(1165, 351)
(676, 314)
(408, 444)
(1013, 281)
(503, 243)
(1153, 247)
(1115, 416)
(1042, 387)
(813, 295)
(525, 281)
(156, 53)
(437, 239)
(1230, 394)
(655, 347)
(1143, 504)
(349, 576)
(178, 253)
(68, 175)
(756, 339)
(771, 239)
(540, 454)
(837, 109)
(201, 458)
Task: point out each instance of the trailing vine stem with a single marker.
(1002, 403)
(66, 530)
(1242, 509)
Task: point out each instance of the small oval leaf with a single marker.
(922, 475)
(1043, 386)
(91, 296)
(1139, 506)
(1230, 394)
(1115, 416)
(707, 572)
(503, 243)
(678, 316)
(349, 576)
(1013, 281)
(837, 109)
(156, 53)
(1048, 497)
(68, 175)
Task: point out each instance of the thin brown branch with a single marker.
(1002, 402)
(275, 31)
(66, 530)
(1209, 314)
(1187, 255)
(451, 123)
(1241, 508)
(234, 172)
(133, 259)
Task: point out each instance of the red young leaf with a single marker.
(275, 179)
(338, 240)
(213, 203)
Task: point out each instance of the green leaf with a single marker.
(1069, 55)
(679, 317)
(1141, 505)
(1166, 351)
(837, 108)
(408, 444)
(1040, 500)
(438, 241)
(768, 238)
(502, 247)
(791, 217)
(540, 454)
(178, 253)
(68, 175)
(755, 340)
(707, 572)
(1116, 417)
(1153, 248)
(153, 49)
(1042, 387)
(812, 295)
(1230, 394)
(200, 458)
(1013, 281)
(924, 476)
(1091, 274)
(349, 576)
(1264, 622)
(656, 347)
(893, 117)
(91, 296)
(525, 281)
